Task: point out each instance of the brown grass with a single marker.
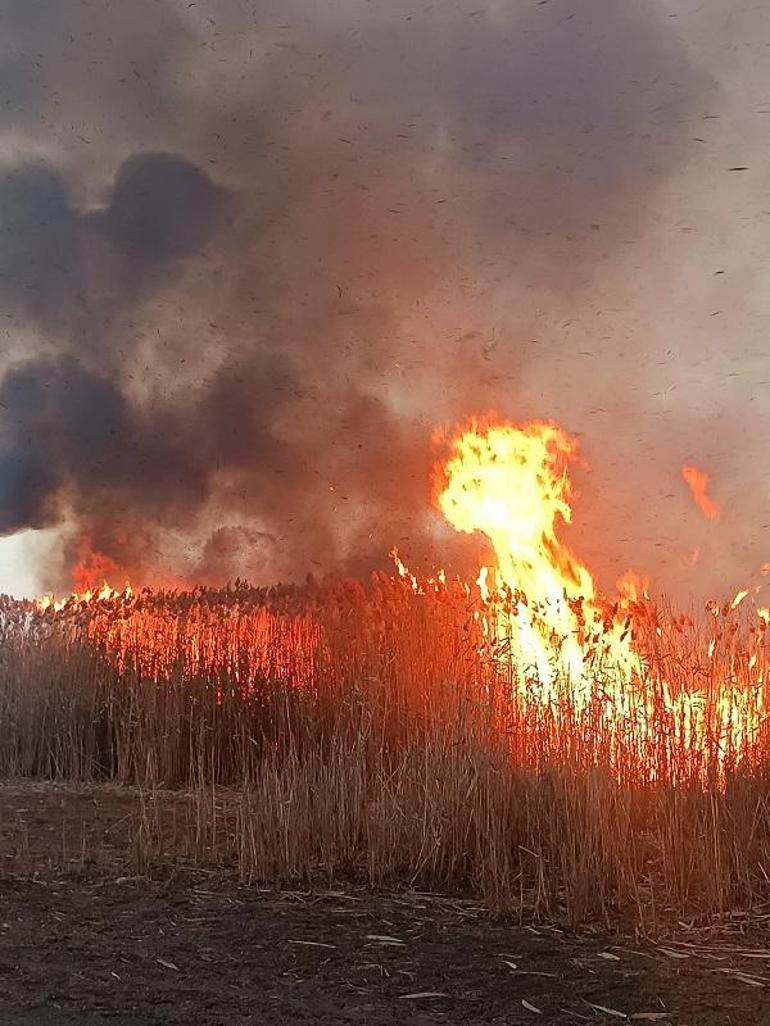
(373, 734)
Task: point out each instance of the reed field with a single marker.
(388, 733)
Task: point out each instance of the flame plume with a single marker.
(512, 484)
(698, 482)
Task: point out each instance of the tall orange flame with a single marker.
(511, 483)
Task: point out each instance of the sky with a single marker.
(252, 254)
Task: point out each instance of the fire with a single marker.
(105, 593)
(92, 566)
(582, 675)
(511, 483)
(573, 652)
(739, 597)
(698, 482)
(632, 587)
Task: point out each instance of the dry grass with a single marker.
(375, 734)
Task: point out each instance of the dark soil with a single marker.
(80, 945)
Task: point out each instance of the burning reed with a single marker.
(520, 735)
(384, 734)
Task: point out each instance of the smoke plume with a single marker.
(250, 255)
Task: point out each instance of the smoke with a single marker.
(251, 254)
(73, 272)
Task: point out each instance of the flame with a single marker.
(572, 651)
(698, 482)
(105, 593)
(633, 587)
(511, 483)
(92, 566)
(584, 675)
(739, 597)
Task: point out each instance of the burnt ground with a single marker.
(81, 945)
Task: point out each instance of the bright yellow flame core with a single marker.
(511, 483)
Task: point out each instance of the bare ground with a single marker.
(80, 944)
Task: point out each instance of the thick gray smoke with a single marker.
(250, 254)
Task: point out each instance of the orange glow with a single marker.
(92, 567)
(511, 484)
(698, 482)
(572, 651)
(739, 597)
(632, 587)
(82, 598)
(576, 675)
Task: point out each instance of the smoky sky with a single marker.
(251, 253)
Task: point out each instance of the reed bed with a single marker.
(382, 733)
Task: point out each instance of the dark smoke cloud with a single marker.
(161, 208)
(72, 271)
(74, 437)
(250, 249)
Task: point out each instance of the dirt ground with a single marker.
(81, 945)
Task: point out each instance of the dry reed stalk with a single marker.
(379, 735)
